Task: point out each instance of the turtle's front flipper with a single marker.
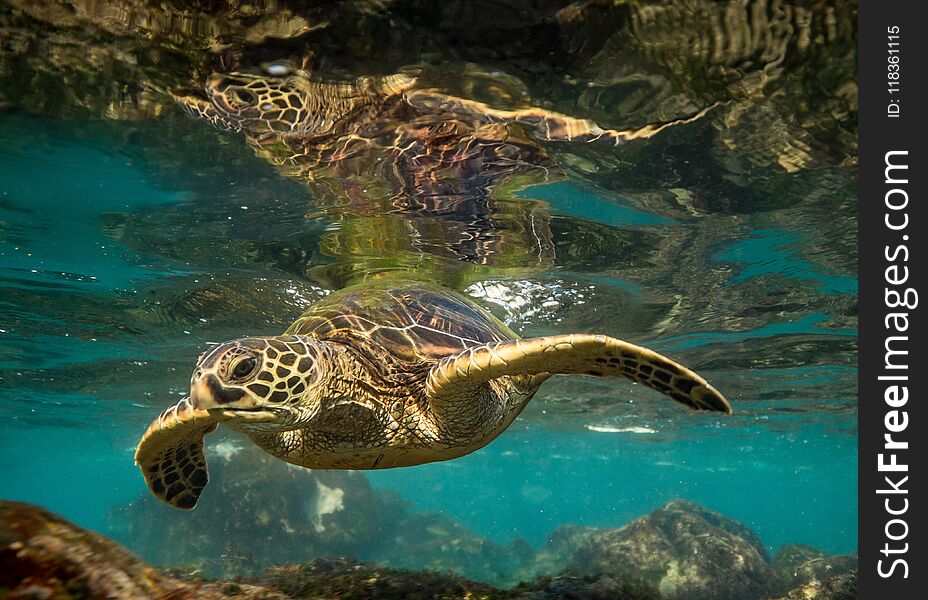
(456, 377)
(547, 124)
(556, 127)
(170, 454)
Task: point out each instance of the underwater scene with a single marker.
(394, 298)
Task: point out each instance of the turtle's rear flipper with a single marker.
(170, 454)
(456, 377)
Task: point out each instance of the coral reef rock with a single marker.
(841, 587)
(45, 556)
(702, 554)
(347, 578)
(685, 550)
(810, 574)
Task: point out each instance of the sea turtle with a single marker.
(379, 376)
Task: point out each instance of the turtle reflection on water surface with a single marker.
(380, 376)
(412, 187)
(307, 125)
(418, 180)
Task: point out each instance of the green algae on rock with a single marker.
(839, 587)
(805, 569)
(344, 577)
(684, 549)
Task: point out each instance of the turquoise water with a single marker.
(128, 246)
(69, 290)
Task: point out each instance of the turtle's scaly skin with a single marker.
(264, 106)
(383, 376)
(173, 462)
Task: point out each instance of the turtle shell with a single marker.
(406, 325)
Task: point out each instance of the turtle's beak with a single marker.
(204, 109)
(207, 393)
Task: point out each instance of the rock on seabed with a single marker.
(684, 549)
(43, 556)
(688, 552)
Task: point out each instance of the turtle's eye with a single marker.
(244, 97)
(244, 367)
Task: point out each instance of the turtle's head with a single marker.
(259, 105)
(269, 380)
